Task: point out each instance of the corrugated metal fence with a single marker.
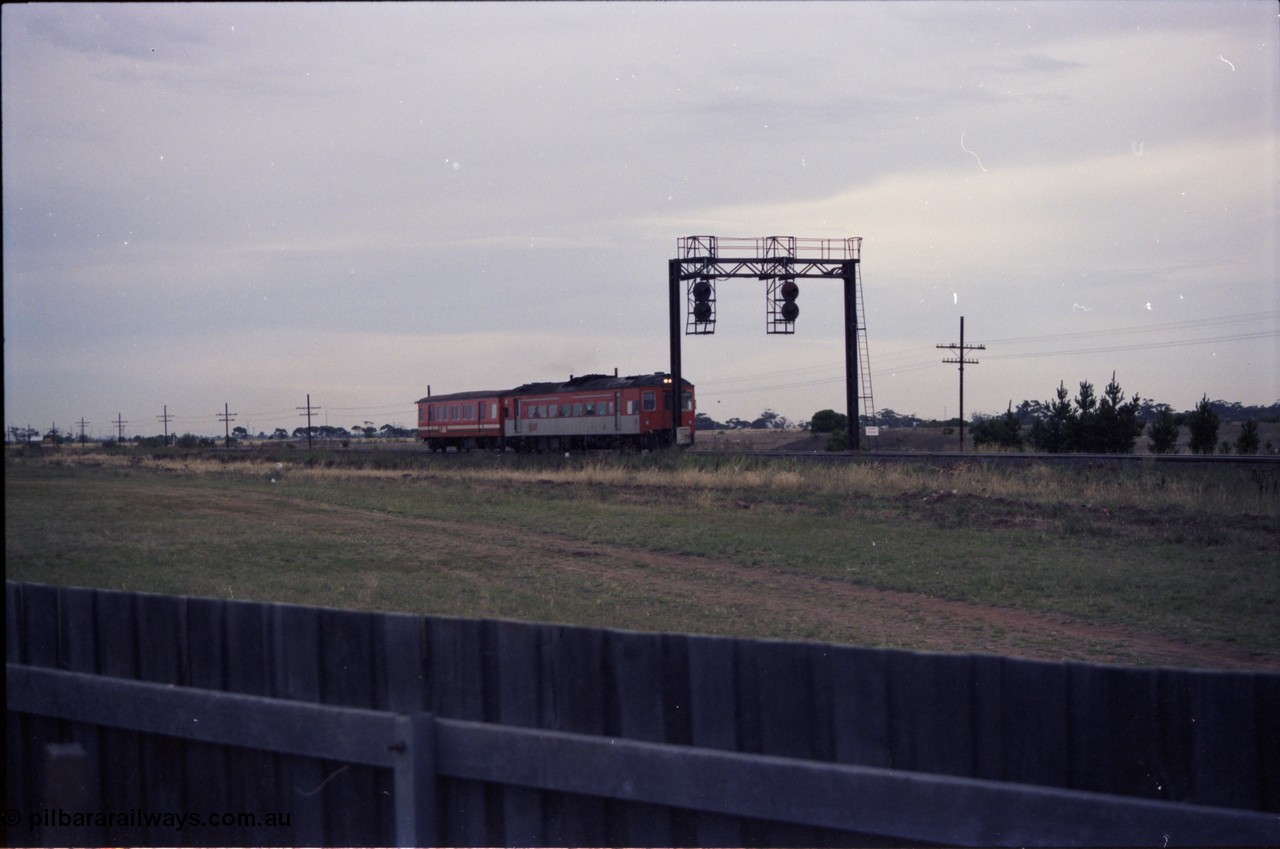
(354, 728)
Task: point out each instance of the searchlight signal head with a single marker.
(701, 318)
(782, 309)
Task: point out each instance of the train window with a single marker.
(686, 401)
(649, 400)
(589, 409)
(577, 409)
(493, 410)
(631, 407)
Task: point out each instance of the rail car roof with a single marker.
(596, 381)
(466, 396)
(575, 382)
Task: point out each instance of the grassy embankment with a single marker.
(716, 545)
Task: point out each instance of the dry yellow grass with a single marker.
(1229, 491)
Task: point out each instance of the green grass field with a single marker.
(1146, 566)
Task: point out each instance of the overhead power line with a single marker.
(919, 358)
(1178, 326)
(1140, 346)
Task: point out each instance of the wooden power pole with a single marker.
(227, 418)
(166, 418)
(309, 410)
(960, 358)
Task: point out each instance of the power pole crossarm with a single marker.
(961, 350)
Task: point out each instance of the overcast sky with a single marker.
(211, 204)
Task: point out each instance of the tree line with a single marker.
(1110, 423)
(188, 440)
(1092, 423)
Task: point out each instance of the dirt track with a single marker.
(412, 557)
(869, 616)
(880, 617)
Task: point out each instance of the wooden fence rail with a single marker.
(374, 729)
(910, 806)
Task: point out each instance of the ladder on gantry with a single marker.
(868, 411)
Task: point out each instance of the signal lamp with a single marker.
(789, 291)
(702, 307)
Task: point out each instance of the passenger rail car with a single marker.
(587, 411)
(461, 420)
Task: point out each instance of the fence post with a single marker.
(68, 798)
(415, 781)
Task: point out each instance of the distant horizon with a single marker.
(792, 423)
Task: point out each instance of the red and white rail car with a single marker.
(598, 411)
(461, 420)
(588, 411)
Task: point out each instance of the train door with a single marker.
(515, 409)
(617, 411)
(648, 405)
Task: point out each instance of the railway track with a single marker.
(951, 458)
(935, 458)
